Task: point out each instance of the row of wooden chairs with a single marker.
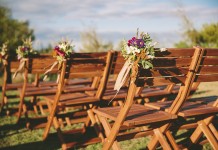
(68, 101)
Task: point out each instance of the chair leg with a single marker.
(208, 134)
(198, 132)
(95, 124)
(158, 136)
(20, 109)
(153, 143)
(214, 131)
(172, 140)
(162, 139)
(49, 123)
(108, 142)
(2, 102)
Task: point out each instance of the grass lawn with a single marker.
(13, 136)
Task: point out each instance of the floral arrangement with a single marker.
(63, 50)
(137, 50)
(141, 48)
(25, 50)
(4, 51)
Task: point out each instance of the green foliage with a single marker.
(207, 36)
(13, 31)
(92, 43)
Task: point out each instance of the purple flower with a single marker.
(140, 43)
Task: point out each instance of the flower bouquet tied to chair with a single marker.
(4, 53)
(24, 52)
(139, 50)
(61, 52)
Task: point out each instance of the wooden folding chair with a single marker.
(207, 72)
(196, 108)
(36, 65)
(80, 65)
(9, 84)
(175, 66)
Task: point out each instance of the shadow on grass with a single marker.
(51, 143)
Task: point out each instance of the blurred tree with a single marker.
(207, 36)
(13, 30)
(92, 43)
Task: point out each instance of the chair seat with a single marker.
(73, 99)
(205, 100)
(137, 115)
(196, 109)
(189, 109)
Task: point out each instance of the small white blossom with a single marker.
(62, 46)
(150, 56)
(128, 50)
(163, 49)
(136, 50)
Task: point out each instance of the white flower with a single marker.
(150, 56)
(62, 46)
(163, 49)
(128, 49)
(136, 50)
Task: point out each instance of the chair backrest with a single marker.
(90, 65)
(208, 69)
(117, 62)
(39, 64)
(174, 66)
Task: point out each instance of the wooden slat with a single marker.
(86, 61)
(206, 78)
(89, 55)
(208, 70)
(86, 67)
(211, 52)
(210, 61)
(175, 52)
(160, 81)
(167, 62)
(163, 72)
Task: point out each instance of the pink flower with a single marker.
(59, 52)
(25, 49)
